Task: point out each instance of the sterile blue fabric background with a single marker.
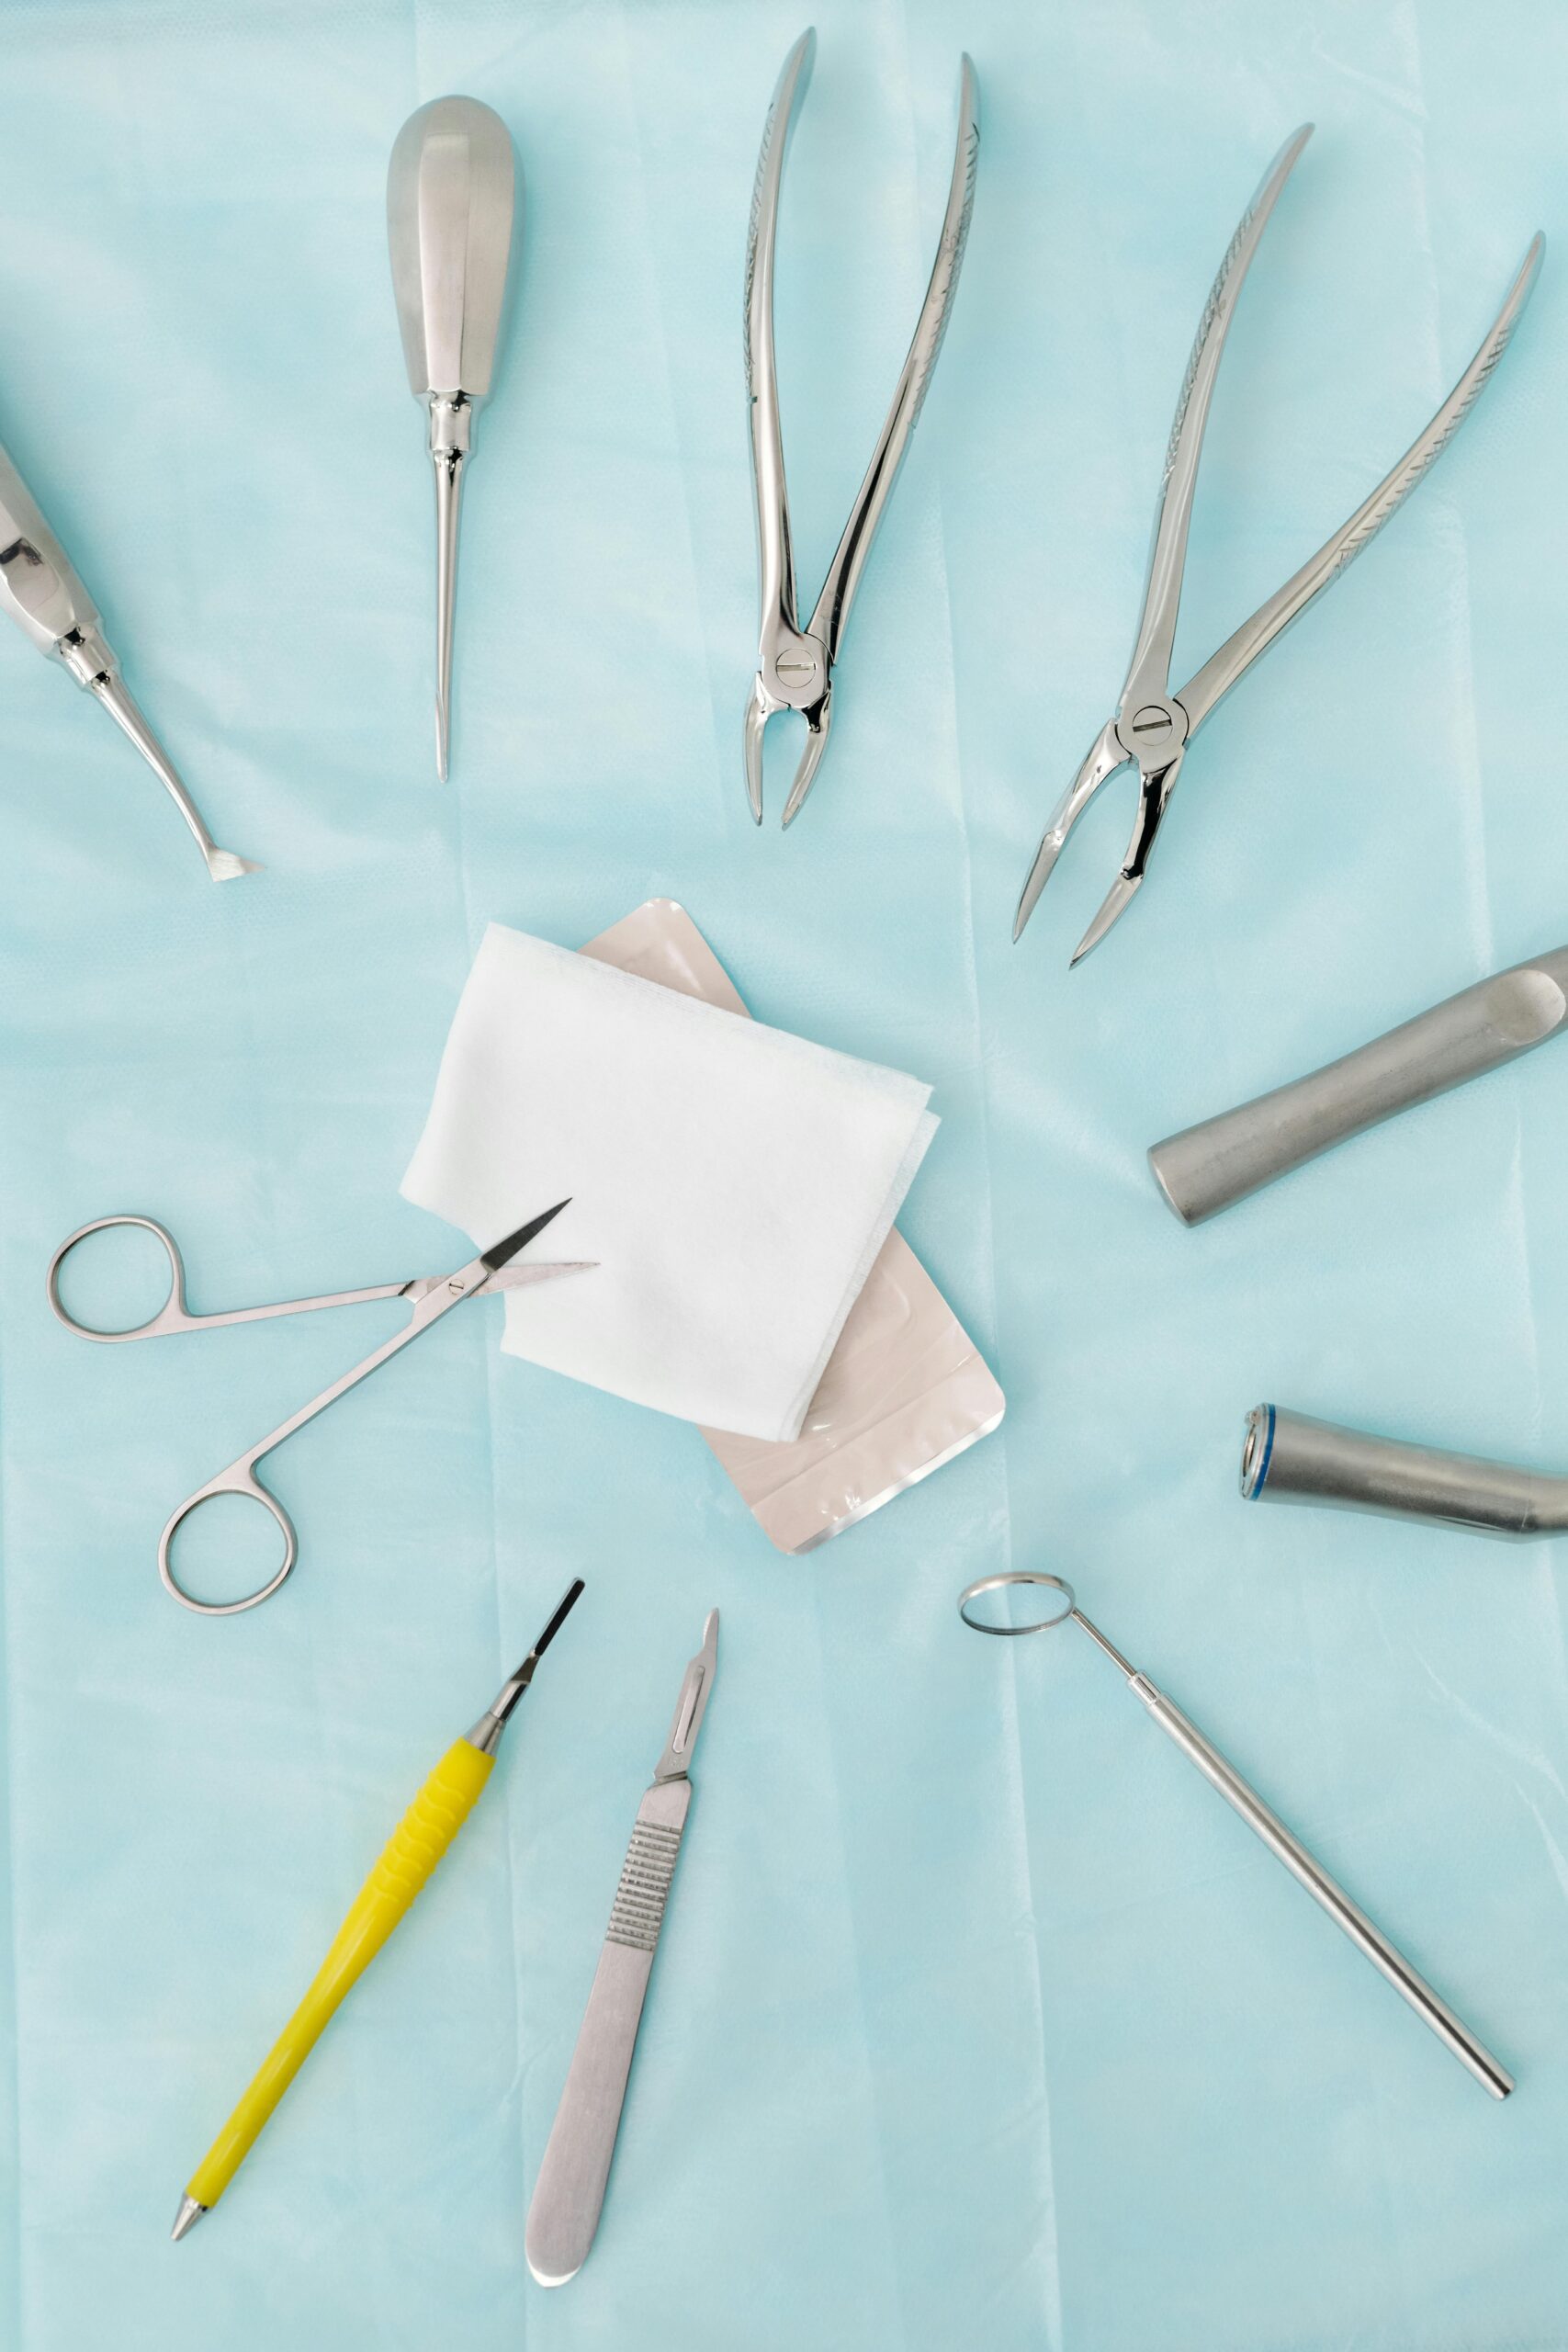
(978, 2020)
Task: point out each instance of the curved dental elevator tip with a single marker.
(110, 689)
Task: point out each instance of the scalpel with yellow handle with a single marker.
(415, 1847)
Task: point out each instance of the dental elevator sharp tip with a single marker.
(188, 2217)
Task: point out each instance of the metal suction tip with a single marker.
(188, 2217)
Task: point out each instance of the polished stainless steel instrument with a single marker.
(1152, 727)
(1209, 1167)
(794, 665)
(1291, 1457)
(569, 2191)
(1265, 1825)
(429, 1297)
(450, 200)
(41, 590)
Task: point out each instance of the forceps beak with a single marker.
(1155, 787)
(1104, 759)
(818, 719)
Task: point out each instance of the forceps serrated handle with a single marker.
(569, 2192)
(1207, 1167)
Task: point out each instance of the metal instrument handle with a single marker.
(831, 617)
(1236, 656)
(569, 2192)
(1207, 1167)
(171, 1316)
(1347, 1916)
(174, 1315)
(1291, 1457)
(39, 586)
(775, 559)
(240, 1477)
(1148, 672)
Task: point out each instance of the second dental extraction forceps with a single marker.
(1153, 727)
(429, 1297)
(794, 666)
(40, 588)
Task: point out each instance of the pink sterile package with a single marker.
(904, 1388)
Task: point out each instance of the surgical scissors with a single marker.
(1152, 727)
(429, 1297)
(794, 666)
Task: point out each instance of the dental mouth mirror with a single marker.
(1245, 1800)
(450, 200)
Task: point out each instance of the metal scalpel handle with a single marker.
(1291, 1457)
(1209, 1167)
(569, 2192)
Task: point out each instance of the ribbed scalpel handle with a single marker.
(569, 2191)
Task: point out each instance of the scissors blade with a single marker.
(496, 1257)
(518, 1277)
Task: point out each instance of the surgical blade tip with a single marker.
(563, 1609)
(226, 865)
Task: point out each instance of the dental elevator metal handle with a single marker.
(1291, 1457)
(1265, 1824)
(1210, 1166)
(41, 591)
(451, 199)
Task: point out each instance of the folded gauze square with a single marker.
(735, 1183)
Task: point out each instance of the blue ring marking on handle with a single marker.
(1258, 1482)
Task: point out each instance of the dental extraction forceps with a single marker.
(429, 1297)
(42, 592)
(1152, 727)
(1349, 1917)
(794, 666)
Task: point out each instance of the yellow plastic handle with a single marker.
(417, 1843)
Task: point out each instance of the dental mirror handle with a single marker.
(1209, 1167)
(1347, 1916)
(1289, 1457)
